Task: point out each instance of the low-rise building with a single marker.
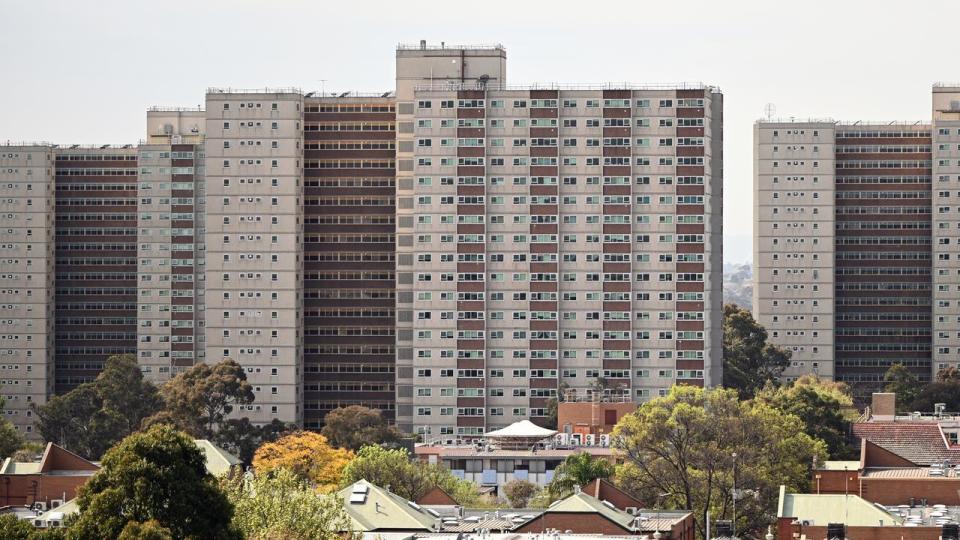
(47, 483)
(520, 451)
(373, 509)
(818, 516)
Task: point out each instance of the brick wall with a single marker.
(26, 489)
(786, 530)
(841, 482)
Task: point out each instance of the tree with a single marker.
(948, 374)
(899, 380)
(409, 479)
(283, 505)
(946, 392)
(688, 444)
(308, 455)
(356, 426)
(79, 422)
(578, 470)
(241, 437)
(197, 400)
(94, 416)
(158, 474)
(10, 438)
(151, 530)
(123, 389)
(519, 492)
(820, 405)
(14, 528)
(748, 360)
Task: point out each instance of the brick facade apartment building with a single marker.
(451, 252)
(856, 241)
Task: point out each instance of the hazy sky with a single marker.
(83, 72)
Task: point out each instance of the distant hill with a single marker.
(738, 285)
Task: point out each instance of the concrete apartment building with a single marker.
(565, 235)
(27, 278)
(96, 259)
(254, 244)
(171, 251)
(336, 244)
(855, 243)
(349, 254)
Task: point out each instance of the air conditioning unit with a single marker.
(40, 506)
(55, 503)
(591, 439)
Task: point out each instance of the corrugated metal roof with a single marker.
(822, 509)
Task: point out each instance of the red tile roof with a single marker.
(921, 442)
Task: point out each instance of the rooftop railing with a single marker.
(281, 90)
(27, 143)
(477, 85)
(422, 46)
(164, 108)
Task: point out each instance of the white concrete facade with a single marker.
(27, 258)
(793, 248)
(254, 242)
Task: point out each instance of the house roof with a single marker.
(19, 467)
(55, 460)
(219, 461)
(59, 513)
(833, 508)
(603, 489)
(921, 442)
(372, 508)
(581, 503)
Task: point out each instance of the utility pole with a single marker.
(734, 525)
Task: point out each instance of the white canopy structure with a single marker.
(520, 434)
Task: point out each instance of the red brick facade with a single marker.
(60, 474)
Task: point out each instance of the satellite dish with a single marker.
(769, 110)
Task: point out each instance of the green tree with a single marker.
(685, 447)
(197, 400)
(409, 479)
(820, 405)
(158, 474)
(899, 380)
(578, 470)
(123, 389)
(151, 530)
(241, 437)
(356, 426)
(519, 492)
(748, 360)
(282, 505)
(13, 528)
(10, 438)
(94, 416)
(79, 422)
(946, 392)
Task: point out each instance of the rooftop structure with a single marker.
(374, 509)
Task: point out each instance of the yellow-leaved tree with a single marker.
(309, 455)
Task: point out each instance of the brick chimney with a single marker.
(883, 406)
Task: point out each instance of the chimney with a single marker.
(883, 406)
